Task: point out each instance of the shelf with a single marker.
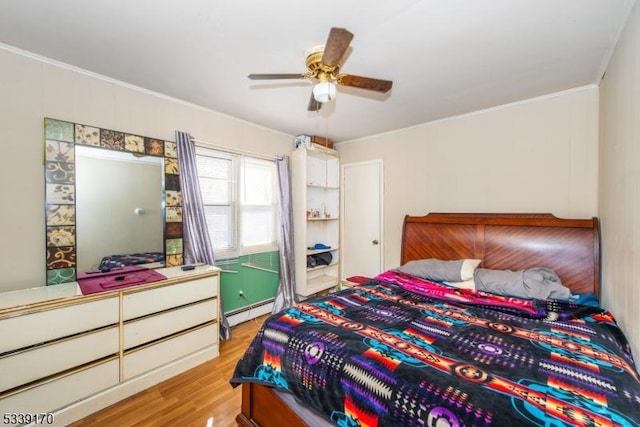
(322, 186)
(322, 281)
(319, 251)
(321, 267)
(315, 188)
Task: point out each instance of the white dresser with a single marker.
(65, 355)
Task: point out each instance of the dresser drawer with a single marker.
(150, 357)
(141, 303)
(160, 325)
(60, 391)
(29, 329)
(33, 364)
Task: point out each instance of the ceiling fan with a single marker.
(323, 67)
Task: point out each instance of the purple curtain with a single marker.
(196, 242)
(286, 295)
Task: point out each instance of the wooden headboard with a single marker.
(570, 247)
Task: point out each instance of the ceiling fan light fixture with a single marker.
(324, 91)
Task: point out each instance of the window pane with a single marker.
(213, 166)
(238, 188)
(215, 176)
(258, 226)
(215, 191)
(220, 225)
(257, 182)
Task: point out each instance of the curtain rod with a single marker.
(205, 144)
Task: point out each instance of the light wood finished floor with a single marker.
(189, 399)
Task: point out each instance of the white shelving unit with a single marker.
(316, 205)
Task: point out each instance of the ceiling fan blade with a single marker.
(365, 82)
(276, 76)
(336, 45)
(313, 104)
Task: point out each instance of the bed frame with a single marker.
(570, 247)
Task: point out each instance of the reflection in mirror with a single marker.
(119, 208)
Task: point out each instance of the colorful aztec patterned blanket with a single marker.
(115, 261)
(401, 351)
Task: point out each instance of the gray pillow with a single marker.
(440, 270)
(539, 283)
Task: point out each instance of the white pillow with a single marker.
(468, 268)
(441, 270)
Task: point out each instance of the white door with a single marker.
(361, 235)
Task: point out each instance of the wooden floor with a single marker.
(189, 399)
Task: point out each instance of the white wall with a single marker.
(619, 192)
(31, 89)
(539, 155)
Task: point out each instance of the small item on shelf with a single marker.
(321, 140)
(302, 141)
(311, 261)
(320, 259)
(321, 246)
(323, 149)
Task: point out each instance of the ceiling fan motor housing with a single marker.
(317, 69)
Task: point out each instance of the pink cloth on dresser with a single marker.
(117, 278)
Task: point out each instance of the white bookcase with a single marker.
(316, 205)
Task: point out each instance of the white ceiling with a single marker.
(445, 57)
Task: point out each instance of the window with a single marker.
(240, 202)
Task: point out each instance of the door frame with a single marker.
(343, 166)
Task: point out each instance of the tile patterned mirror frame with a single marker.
(60, 139)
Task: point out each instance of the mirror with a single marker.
(118, 208)
(83, 224)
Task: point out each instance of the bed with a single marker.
(403, 350)
(124, 260)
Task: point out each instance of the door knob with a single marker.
(375, 241)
